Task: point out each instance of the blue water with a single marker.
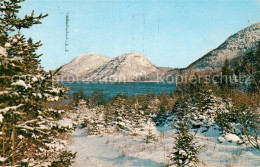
(113, 89)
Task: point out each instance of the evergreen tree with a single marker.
(98, 97)
(251, 66)
(138, 118)
(150, 137)
(247, 68)
(30, 132)
(78, 96)
(96, 122)
(226, 70)
(225, 81)
(185, 151)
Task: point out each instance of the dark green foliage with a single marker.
(150, 137)
(98, 97)
(225, 119)
(226, 69)
(120, 113)
(164, 103)
(243, 121)
(65, 159)
(77, 96)
(28, 125)
(2, 39)
(247, 68)
(226, 77)
(185, 151)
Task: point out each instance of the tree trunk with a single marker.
(13, 145)
(3, 131)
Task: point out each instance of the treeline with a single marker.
(243, 73)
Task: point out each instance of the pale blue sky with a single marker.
(170, 33)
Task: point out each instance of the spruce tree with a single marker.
(185, 151)
(150, 137)
(226, 75)
(29, 125)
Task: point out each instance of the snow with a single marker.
(2, 159)
(232, 138)
(84, 64)
(10, 108)
(221, 139)
(2, 51)
(236, 45)
(21, 83)
(95, 67)
(56, 98)
(55, 90)
(66, 123)
(39, 95)
(4, 92)
(8, 45)
(16, 58)
(119, 150)
(1, 118)
(15, 40)
(128, 67)
(50, 98)
(34, 79)
(96, 151)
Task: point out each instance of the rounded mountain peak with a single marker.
(84, 63)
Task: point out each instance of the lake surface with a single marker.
(113, 89)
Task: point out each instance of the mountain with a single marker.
(82, 66)
(128, 67)
(235, 46)
(134, 66)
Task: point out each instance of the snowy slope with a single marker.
(84, 64)
(235, 46)
(128, 67)
(116, 150)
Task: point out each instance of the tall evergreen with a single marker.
(225, 81)
(30, 132)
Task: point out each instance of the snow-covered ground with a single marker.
(97, 151)
(116, 150)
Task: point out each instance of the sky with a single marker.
(170, 33)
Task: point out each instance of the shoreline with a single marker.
(98, 82)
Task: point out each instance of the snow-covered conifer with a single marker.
(185, 151)
(30, 131)
(150, 137)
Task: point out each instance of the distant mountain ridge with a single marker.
(130, 67)
(133, 67)
(236, 45)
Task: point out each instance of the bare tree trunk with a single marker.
(13, 145)
(3, 131)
